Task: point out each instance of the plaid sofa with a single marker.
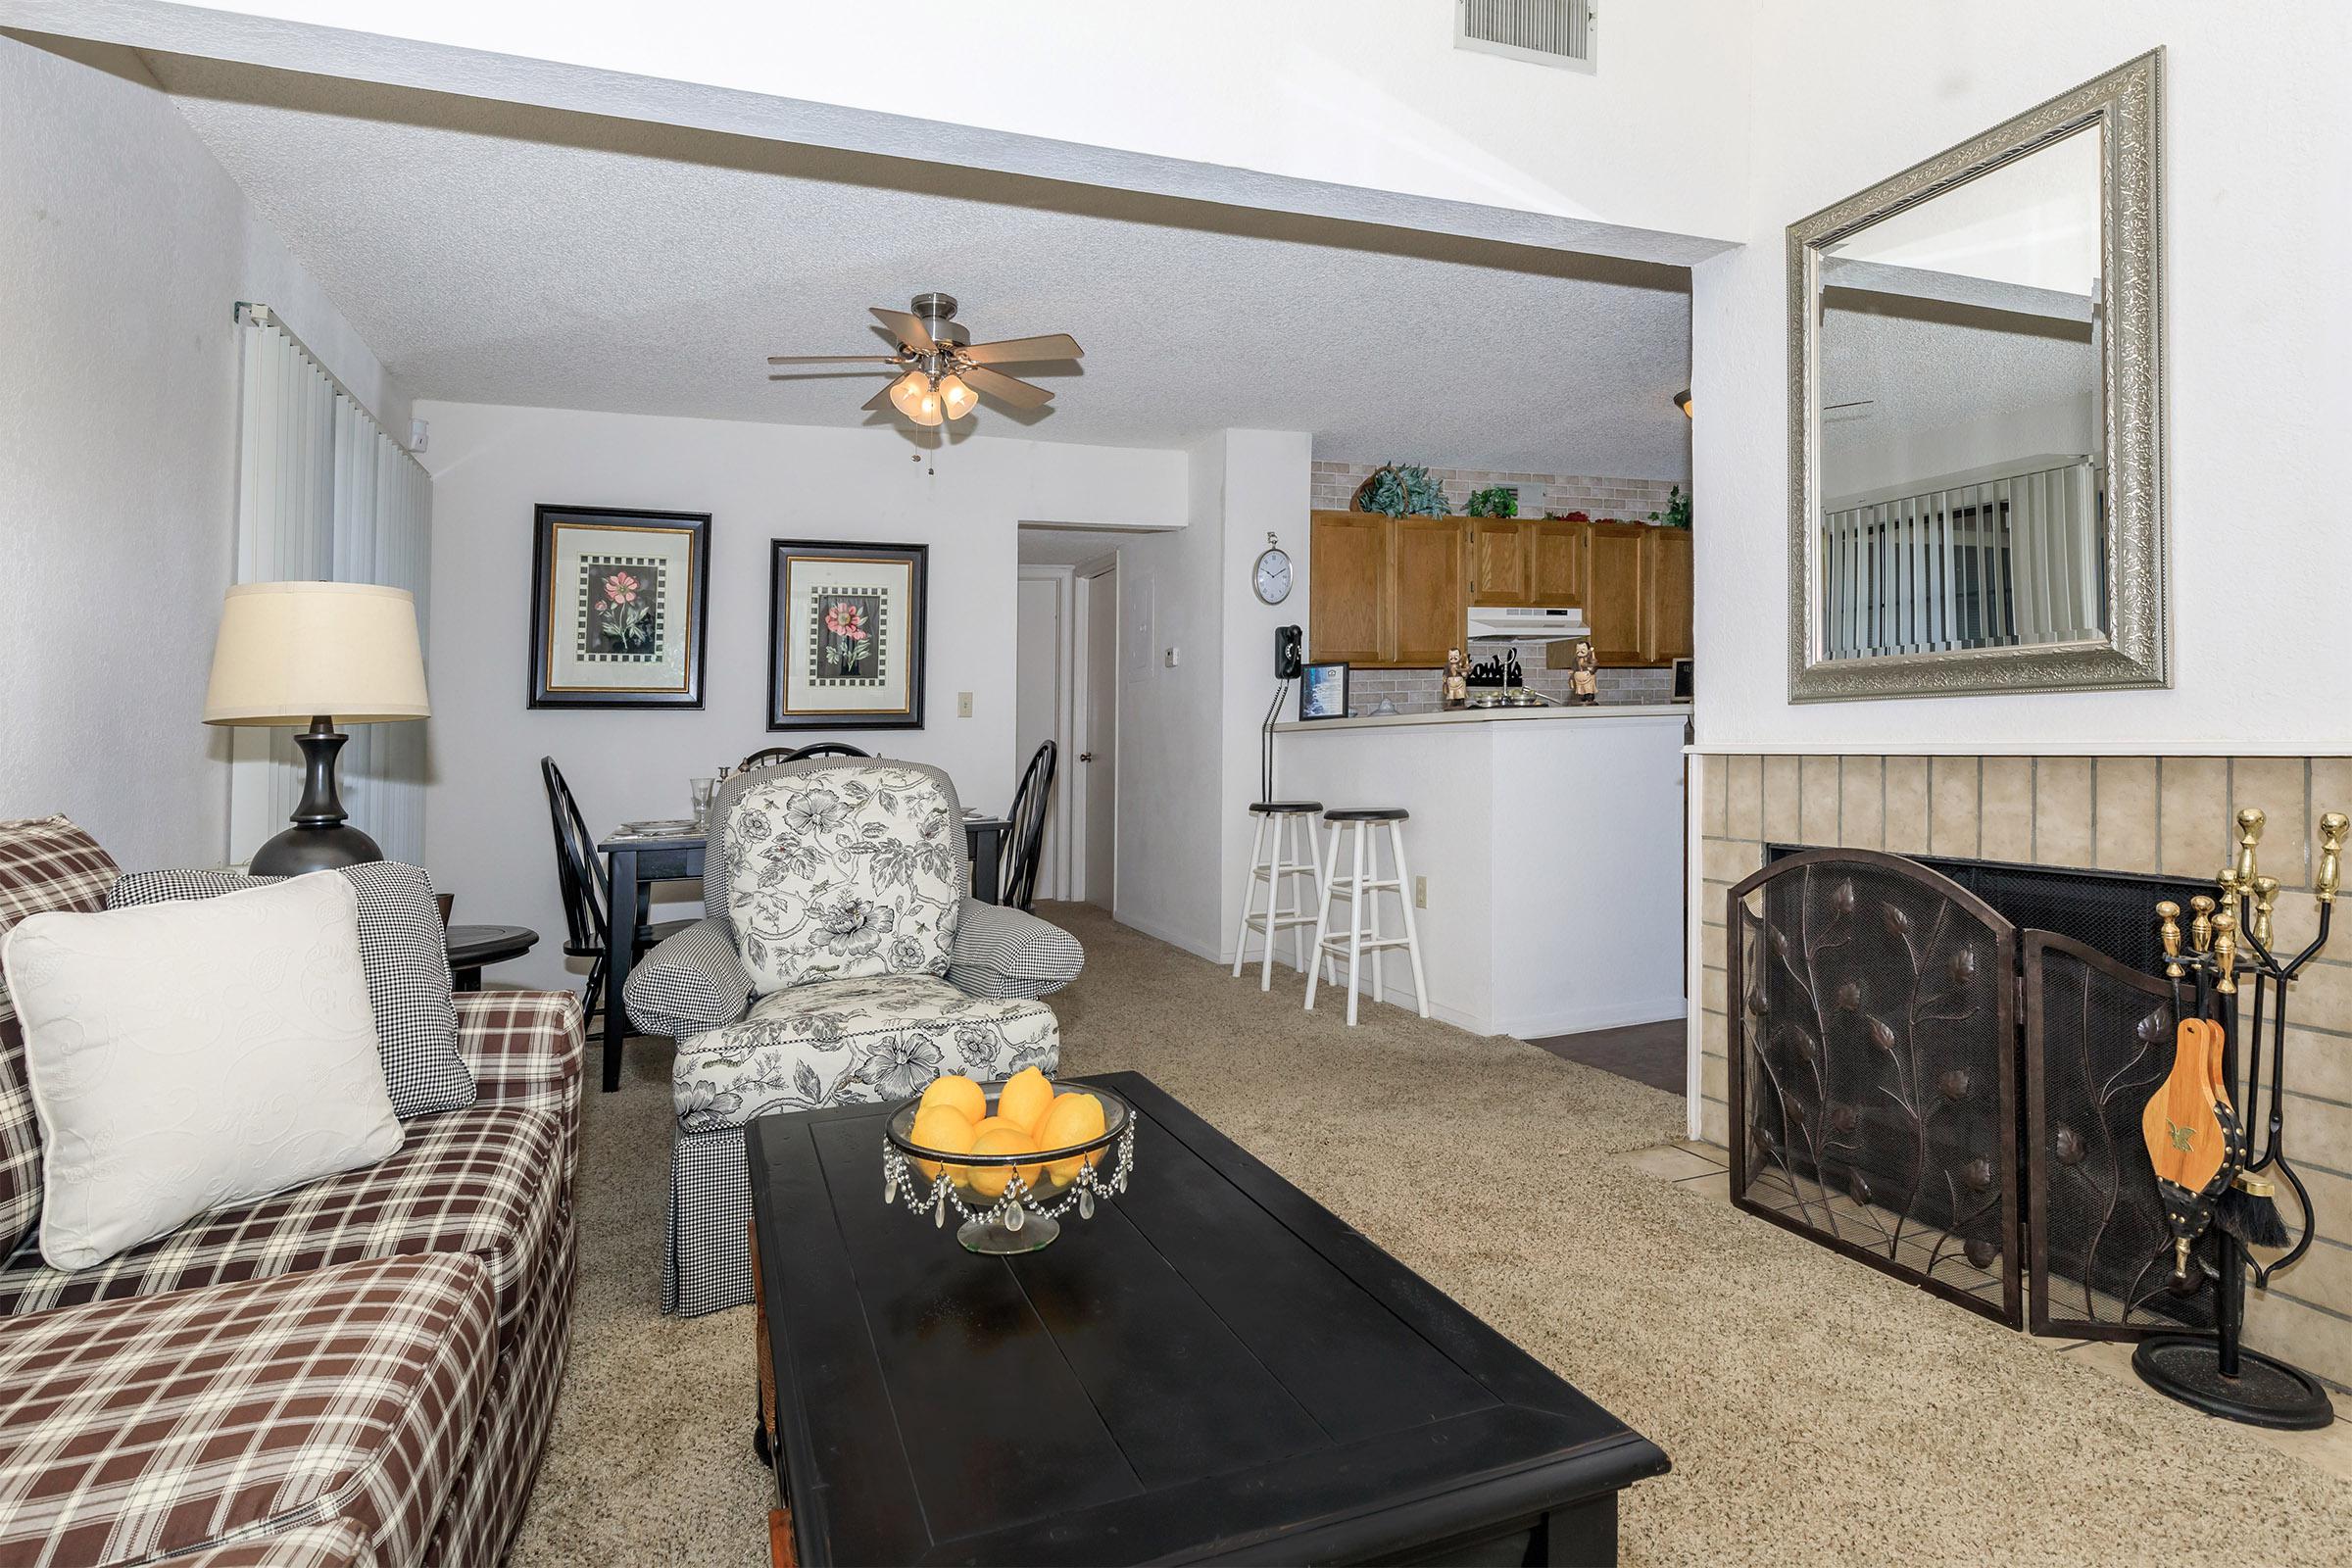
(358, 1373)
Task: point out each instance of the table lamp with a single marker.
(309, 654)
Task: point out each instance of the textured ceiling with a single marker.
(494, 253)
(1073, 546)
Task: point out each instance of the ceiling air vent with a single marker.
(1549, 32)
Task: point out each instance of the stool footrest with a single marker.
(1339, 943)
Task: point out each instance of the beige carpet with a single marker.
(1816, 1411)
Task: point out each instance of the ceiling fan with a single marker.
(943, 371)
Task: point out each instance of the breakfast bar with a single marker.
(1559, 811)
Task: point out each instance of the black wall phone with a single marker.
(1289, 652)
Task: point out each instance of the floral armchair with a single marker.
(840, 960)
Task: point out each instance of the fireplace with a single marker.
(1937, 1068)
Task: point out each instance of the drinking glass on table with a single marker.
(702, 799)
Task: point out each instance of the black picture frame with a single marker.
(914, 628)
(1314, 690)
(691, 620)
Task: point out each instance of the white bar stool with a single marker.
(1362, 893)
(1283, 848)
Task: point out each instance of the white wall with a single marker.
(487, 818)
(125, 250)
(1189, 735)
(1355, 108)
(2258, 132)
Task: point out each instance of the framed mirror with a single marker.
(1976, 414)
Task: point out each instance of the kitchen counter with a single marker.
(1549, 845)
(1491, 716)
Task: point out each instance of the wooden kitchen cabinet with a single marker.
(1665, 595)
(1555, 554)
(1613, 585)
(1350, 588)
(1431, 594)
(1499, 561)
(1386, 593)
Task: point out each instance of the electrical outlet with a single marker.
(1173, 657)
(964, 705)
(1420, 893)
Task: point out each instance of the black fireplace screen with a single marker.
(2098, 1041)
(1886, 1101)
(1873, 1069)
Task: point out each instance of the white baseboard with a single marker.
(1173, 938)
(1580, 1020)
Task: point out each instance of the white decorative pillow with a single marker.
(843, 873)
(185, 1056)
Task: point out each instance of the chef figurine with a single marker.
(1457, 682)
(1585, 685)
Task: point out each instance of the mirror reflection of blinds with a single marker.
(323, 495)
(2005, 560)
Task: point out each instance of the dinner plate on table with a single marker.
(646, 830)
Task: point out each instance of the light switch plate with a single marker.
(1420, 893)
(964, 705)
(1173, 657)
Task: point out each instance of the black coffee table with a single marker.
(1213, 1369)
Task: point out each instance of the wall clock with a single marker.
(1272, 575)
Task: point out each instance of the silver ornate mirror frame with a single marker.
(2127, 105)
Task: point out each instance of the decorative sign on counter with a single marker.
(1323, 692)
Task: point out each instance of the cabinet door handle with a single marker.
(1086, 757)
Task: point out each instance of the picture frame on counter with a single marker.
(1323, 691)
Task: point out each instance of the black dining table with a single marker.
(639, 860)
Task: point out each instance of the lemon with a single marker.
(1073, 1119)
(944, 1128)
(1025, 1097)
(990, 1181)
(960, 1092)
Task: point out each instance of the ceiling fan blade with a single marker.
(909, 328)
(1020, 394)
(1016, 349)
(878, 401)
(831, 359)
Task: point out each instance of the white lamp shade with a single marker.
(289, 651)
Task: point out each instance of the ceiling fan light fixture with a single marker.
(913, 395)
(956, 399)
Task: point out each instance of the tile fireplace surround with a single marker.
(2119, 813)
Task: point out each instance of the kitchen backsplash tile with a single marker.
(1422, 691)
(1633, 500)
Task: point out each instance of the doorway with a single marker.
(1095, 797)
(1042, 684)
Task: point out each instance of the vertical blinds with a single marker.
(324, 495)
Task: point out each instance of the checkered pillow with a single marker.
(402, 948)
(46, 864)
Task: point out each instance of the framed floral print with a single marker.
(619, 607)
(846, 632)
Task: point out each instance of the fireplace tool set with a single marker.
(2215, 1165)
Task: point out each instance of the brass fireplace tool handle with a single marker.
(2249, 833)
(2169, 932)
(2225, 952)
(2200, 925)
(2332, 828)
(2266, 897)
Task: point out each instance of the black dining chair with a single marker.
(1026, 838)
(580, 872)
(799, 754)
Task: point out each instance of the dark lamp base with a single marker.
(314, 849)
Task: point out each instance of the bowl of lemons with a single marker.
(1008, 1160)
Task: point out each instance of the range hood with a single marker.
(1520, 623)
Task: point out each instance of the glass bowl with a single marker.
(1009, 1203)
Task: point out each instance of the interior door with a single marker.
(1098, 734)
(1613, 592)
(1040, 684)
(1350, 588)
(1498, 561)
(1433, 600)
